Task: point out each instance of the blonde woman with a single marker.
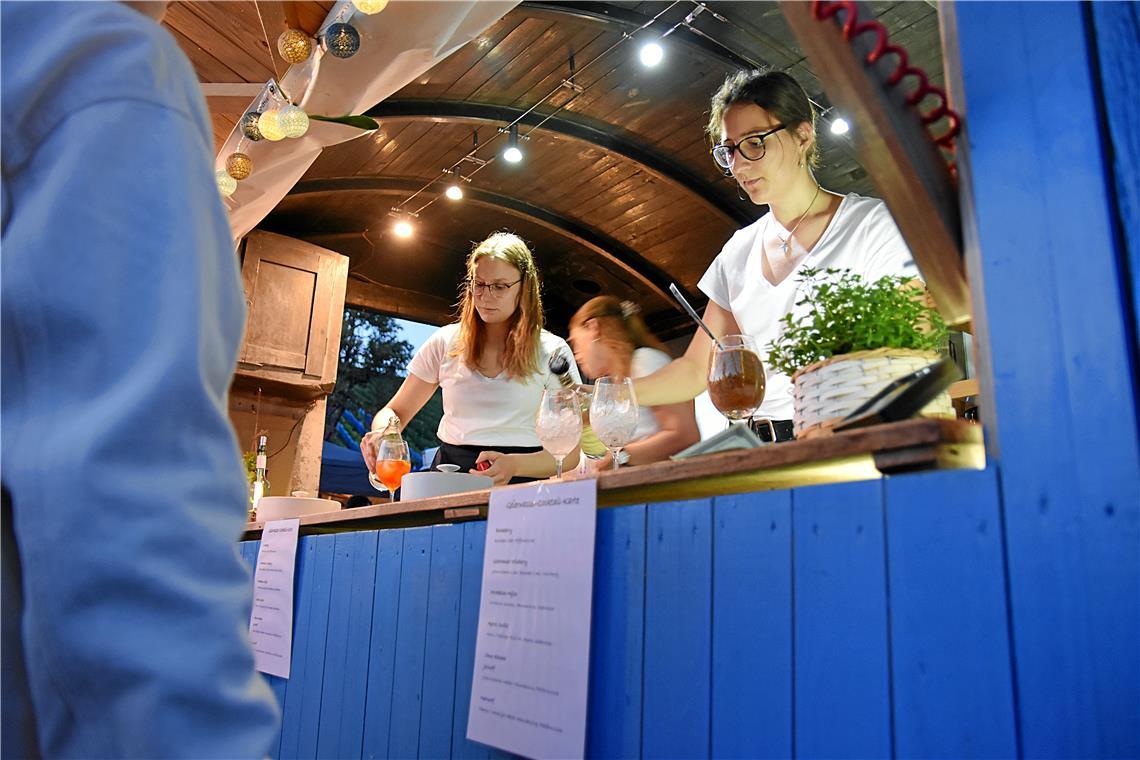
(609, 337)
(492, 366)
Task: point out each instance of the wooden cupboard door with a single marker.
(295, 297)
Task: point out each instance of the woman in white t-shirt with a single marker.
(609, 337)
(492, 365)
(764, 128)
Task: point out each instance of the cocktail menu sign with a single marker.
(271, 620)
(532, 652)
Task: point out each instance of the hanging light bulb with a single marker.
(226, 183)
(293, 121)
(294, 46)
(249, 125)
(341, 40)
(839, 126)
(270, 125)
(651, 54)
(403, 228)
(369, 7)
(454, 192)
(513, 154)
(239, 165)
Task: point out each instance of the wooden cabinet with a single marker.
(294, 295)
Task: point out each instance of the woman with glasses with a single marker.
(763, 126)
(609, 337)
(492, 366)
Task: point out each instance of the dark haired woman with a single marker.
(492, 366)
(609, 337)
(763, 127)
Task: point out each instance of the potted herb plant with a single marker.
(848, 338)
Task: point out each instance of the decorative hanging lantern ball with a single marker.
(270, 125)
(249, 125)
(293, 121)
(369, 7)
(294, 46)
(226, 183)
(341, 40)
(239, 165)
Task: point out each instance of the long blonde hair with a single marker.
(619, 324)
(520, 353)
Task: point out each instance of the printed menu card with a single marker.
(271, 621)
(532, 652)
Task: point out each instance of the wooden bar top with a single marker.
(863, 454)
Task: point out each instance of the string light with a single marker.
(294, 46)
(249, 125)
(270, 126)
(226, 183)
(341, 40)
(370, 7)
(239, 165)
(293, 121)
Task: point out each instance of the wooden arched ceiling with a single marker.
(617, 190)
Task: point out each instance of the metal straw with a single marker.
(692, 312)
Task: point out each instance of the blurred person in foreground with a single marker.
(125, 604)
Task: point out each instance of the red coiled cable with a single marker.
(852, 27)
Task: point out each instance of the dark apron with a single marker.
(465, 456)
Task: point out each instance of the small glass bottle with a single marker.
(260, 486)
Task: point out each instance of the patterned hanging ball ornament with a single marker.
(294, 46)
(270, 125)
(369, 7)
(341, 40)
(226, 183)
(293, 121)
(239, 165)
(249, 125)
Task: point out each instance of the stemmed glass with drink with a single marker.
(389, 459)
(736, 377)
(559, 423)
(614, 413)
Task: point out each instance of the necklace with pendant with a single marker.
(786, 243)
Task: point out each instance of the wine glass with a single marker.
(736, 377)
(392, 460)
(614, 413)
(559, 423)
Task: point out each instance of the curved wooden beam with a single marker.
(602, 135)
(628, 260)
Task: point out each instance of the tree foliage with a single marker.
(373, 364)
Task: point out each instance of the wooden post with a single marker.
(896, 150)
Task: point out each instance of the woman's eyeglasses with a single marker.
(496, 289)
(751, 147)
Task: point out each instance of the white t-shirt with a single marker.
(861, 237)
(486, 411)
(646, 361)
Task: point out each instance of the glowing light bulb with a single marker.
(403, 229)
(226, 183)
(368, 7)
(454, 192)
(294, 46)
(839, 126)
(513, 154)
(651, 54)
(270, 126)
(239, 166)
(293, 121)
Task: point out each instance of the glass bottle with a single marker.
(260, 486)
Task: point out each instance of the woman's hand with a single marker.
(503, 467)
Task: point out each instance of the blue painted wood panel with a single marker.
(442, 641)
(678, 630)
(1061, 357)
(382, 648)
(842, 683)
(346, 645)
(613, 721)
(474, 539)
(301, 711)
(411, 630)
(752, 626)
(952, 671)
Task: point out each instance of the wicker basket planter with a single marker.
(827, 391)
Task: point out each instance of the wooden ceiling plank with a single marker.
(208, 26)
(498, 57)
(584, 43)
(206, 65)
(434, 83)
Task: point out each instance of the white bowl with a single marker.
(424, 485)
(283, 507)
